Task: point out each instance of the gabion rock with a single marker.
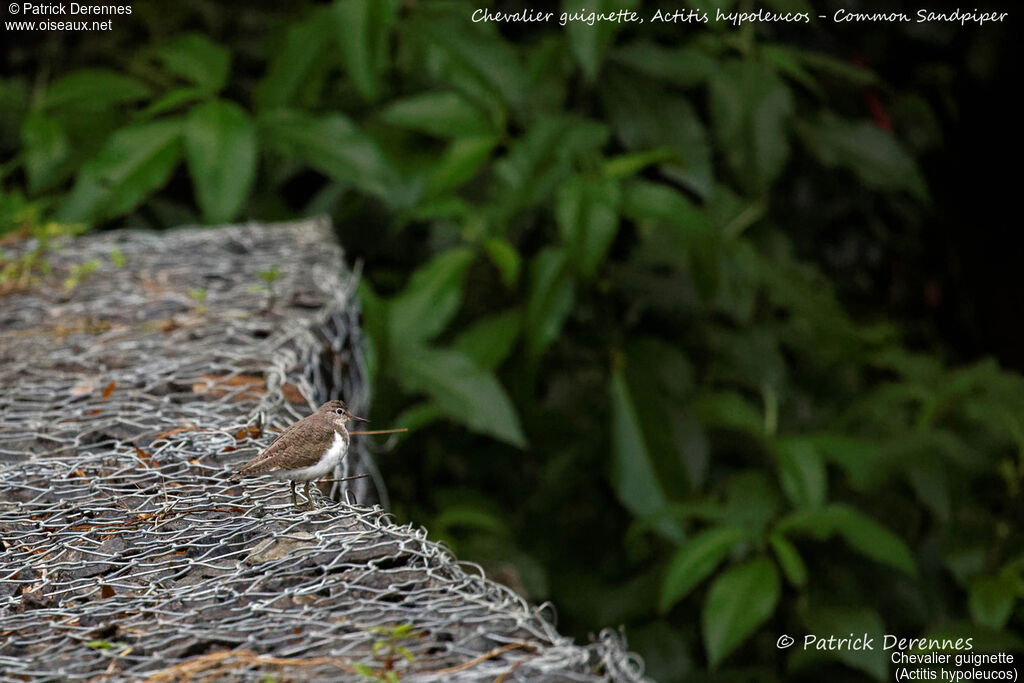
(129, 393)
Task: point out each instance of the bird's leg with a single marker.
(295, 501)
(309, 496)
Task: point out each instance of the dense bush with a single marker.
(592, 294)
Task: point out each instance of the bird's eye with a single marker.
(339, 411)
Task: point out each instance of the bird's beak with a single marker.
(360, 419)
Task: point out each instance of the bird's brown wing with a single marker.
(293, 452)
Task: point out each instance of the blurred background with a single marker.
(711, 332)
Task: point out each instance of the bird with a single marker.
(307, 450)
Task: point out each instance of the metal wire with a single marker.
(125, 552)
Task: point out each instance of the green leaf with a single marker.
(648, 117)
(991, 600)
(334, 146)
(860, 532)
(550, 300)
(874, 155)
(419, 416)
(220, 146)
(587, 212)
(460, 162)
(432, 296)
(682, 66)
(363, 27)
(789, 559)
(739, 601)
(824, 620)
(537, 162)
(660, 377)
(46, 149)
(787, 64)
(859, 459)
(169, 101)
(198, 60)
(89, 90)
(589, 42)
(633, 474)
(750, 109)
(481, 64)
(506, 259)
(644, 201)
(626, 165)
(442, 114)
(695, 561)
(294, 61)
(931, 484)
(489, 340)
(729, 410)
(801, 472)
(464, 391)
(752, 501)
(134, 162)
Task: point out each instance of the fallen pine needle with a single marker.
(230, 659)
(484, 657)
(354, 476)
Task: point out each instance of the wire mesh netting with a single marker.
(125, 551)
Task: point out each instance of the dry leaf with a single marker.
(82, 389)
(244, 387)
(292, 394)
(250, 432)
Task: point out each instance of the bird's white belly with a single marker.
(328, 461)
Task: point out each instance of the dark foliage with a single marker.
(633, 289)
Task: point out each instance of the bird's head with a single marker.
(339, 413)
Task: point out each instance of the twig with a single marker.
(381, 431)
(221, 660)
(504, 677)
(159, 515)
(113, 663)
(354, 476)
(484, 657)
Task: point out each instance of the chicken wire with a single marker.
(126, 553)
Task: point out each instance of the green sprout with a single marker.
(199, 295)
(269, 278)
(271, 275)
(387, 650)
(105, 645)
(24, 220)
(78, 273)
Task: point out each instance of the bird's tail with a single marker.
(240, 472)
(251, 468)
